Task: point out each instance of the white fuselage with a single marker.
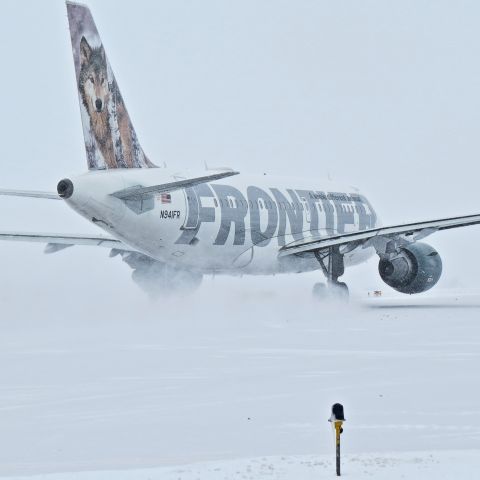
(235, 226)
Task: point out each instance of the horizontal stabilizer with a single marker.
(67, 240)
(366, 238)
(29, 193)
(139, 192)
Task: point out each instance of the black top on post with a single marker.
(337, 412)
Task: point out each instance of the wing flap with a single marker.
(368, 238)
(55, 247)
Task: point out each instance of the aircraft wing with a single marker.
(59, 241)
(138, 192)
(29, 193)
(377, 237)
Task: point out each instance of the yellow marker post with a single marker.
(337, 418)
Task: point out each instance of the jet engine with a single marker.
(414, 268)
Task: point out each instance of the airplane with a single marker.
(173, 227)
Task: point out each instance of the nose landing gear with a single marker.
(331, 261)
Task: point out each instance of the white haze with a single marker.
(383, 95)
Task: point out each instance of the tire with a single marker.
(320, 291)
(339, 291)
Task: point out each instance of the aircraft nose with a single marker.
(98, 104)
(65, 188)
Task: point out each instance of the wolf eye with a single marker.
(92, 79)
(103, 80)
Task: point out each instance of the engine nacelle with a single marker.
(415, 268)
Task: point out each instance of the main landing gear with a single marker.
(157, 279)
(331, 261)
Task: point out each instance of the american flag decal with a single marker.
(166, 198)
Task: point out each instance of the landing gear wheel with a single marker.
(333, 292)
(320, 291)
(332, 263)
(339, 291)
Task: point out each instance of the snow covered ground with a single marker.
(419, 465)
(237, 382)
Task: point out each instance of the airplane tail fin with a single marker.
(110, 139)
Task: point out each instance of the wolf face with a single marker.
(94, 90)
(93, 77)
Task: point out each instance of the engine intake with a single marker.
(415, 268)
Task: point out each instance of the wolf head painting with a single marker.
(93, 83)
(94, 92)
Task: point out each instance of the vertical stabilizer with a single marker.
(110, 139)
